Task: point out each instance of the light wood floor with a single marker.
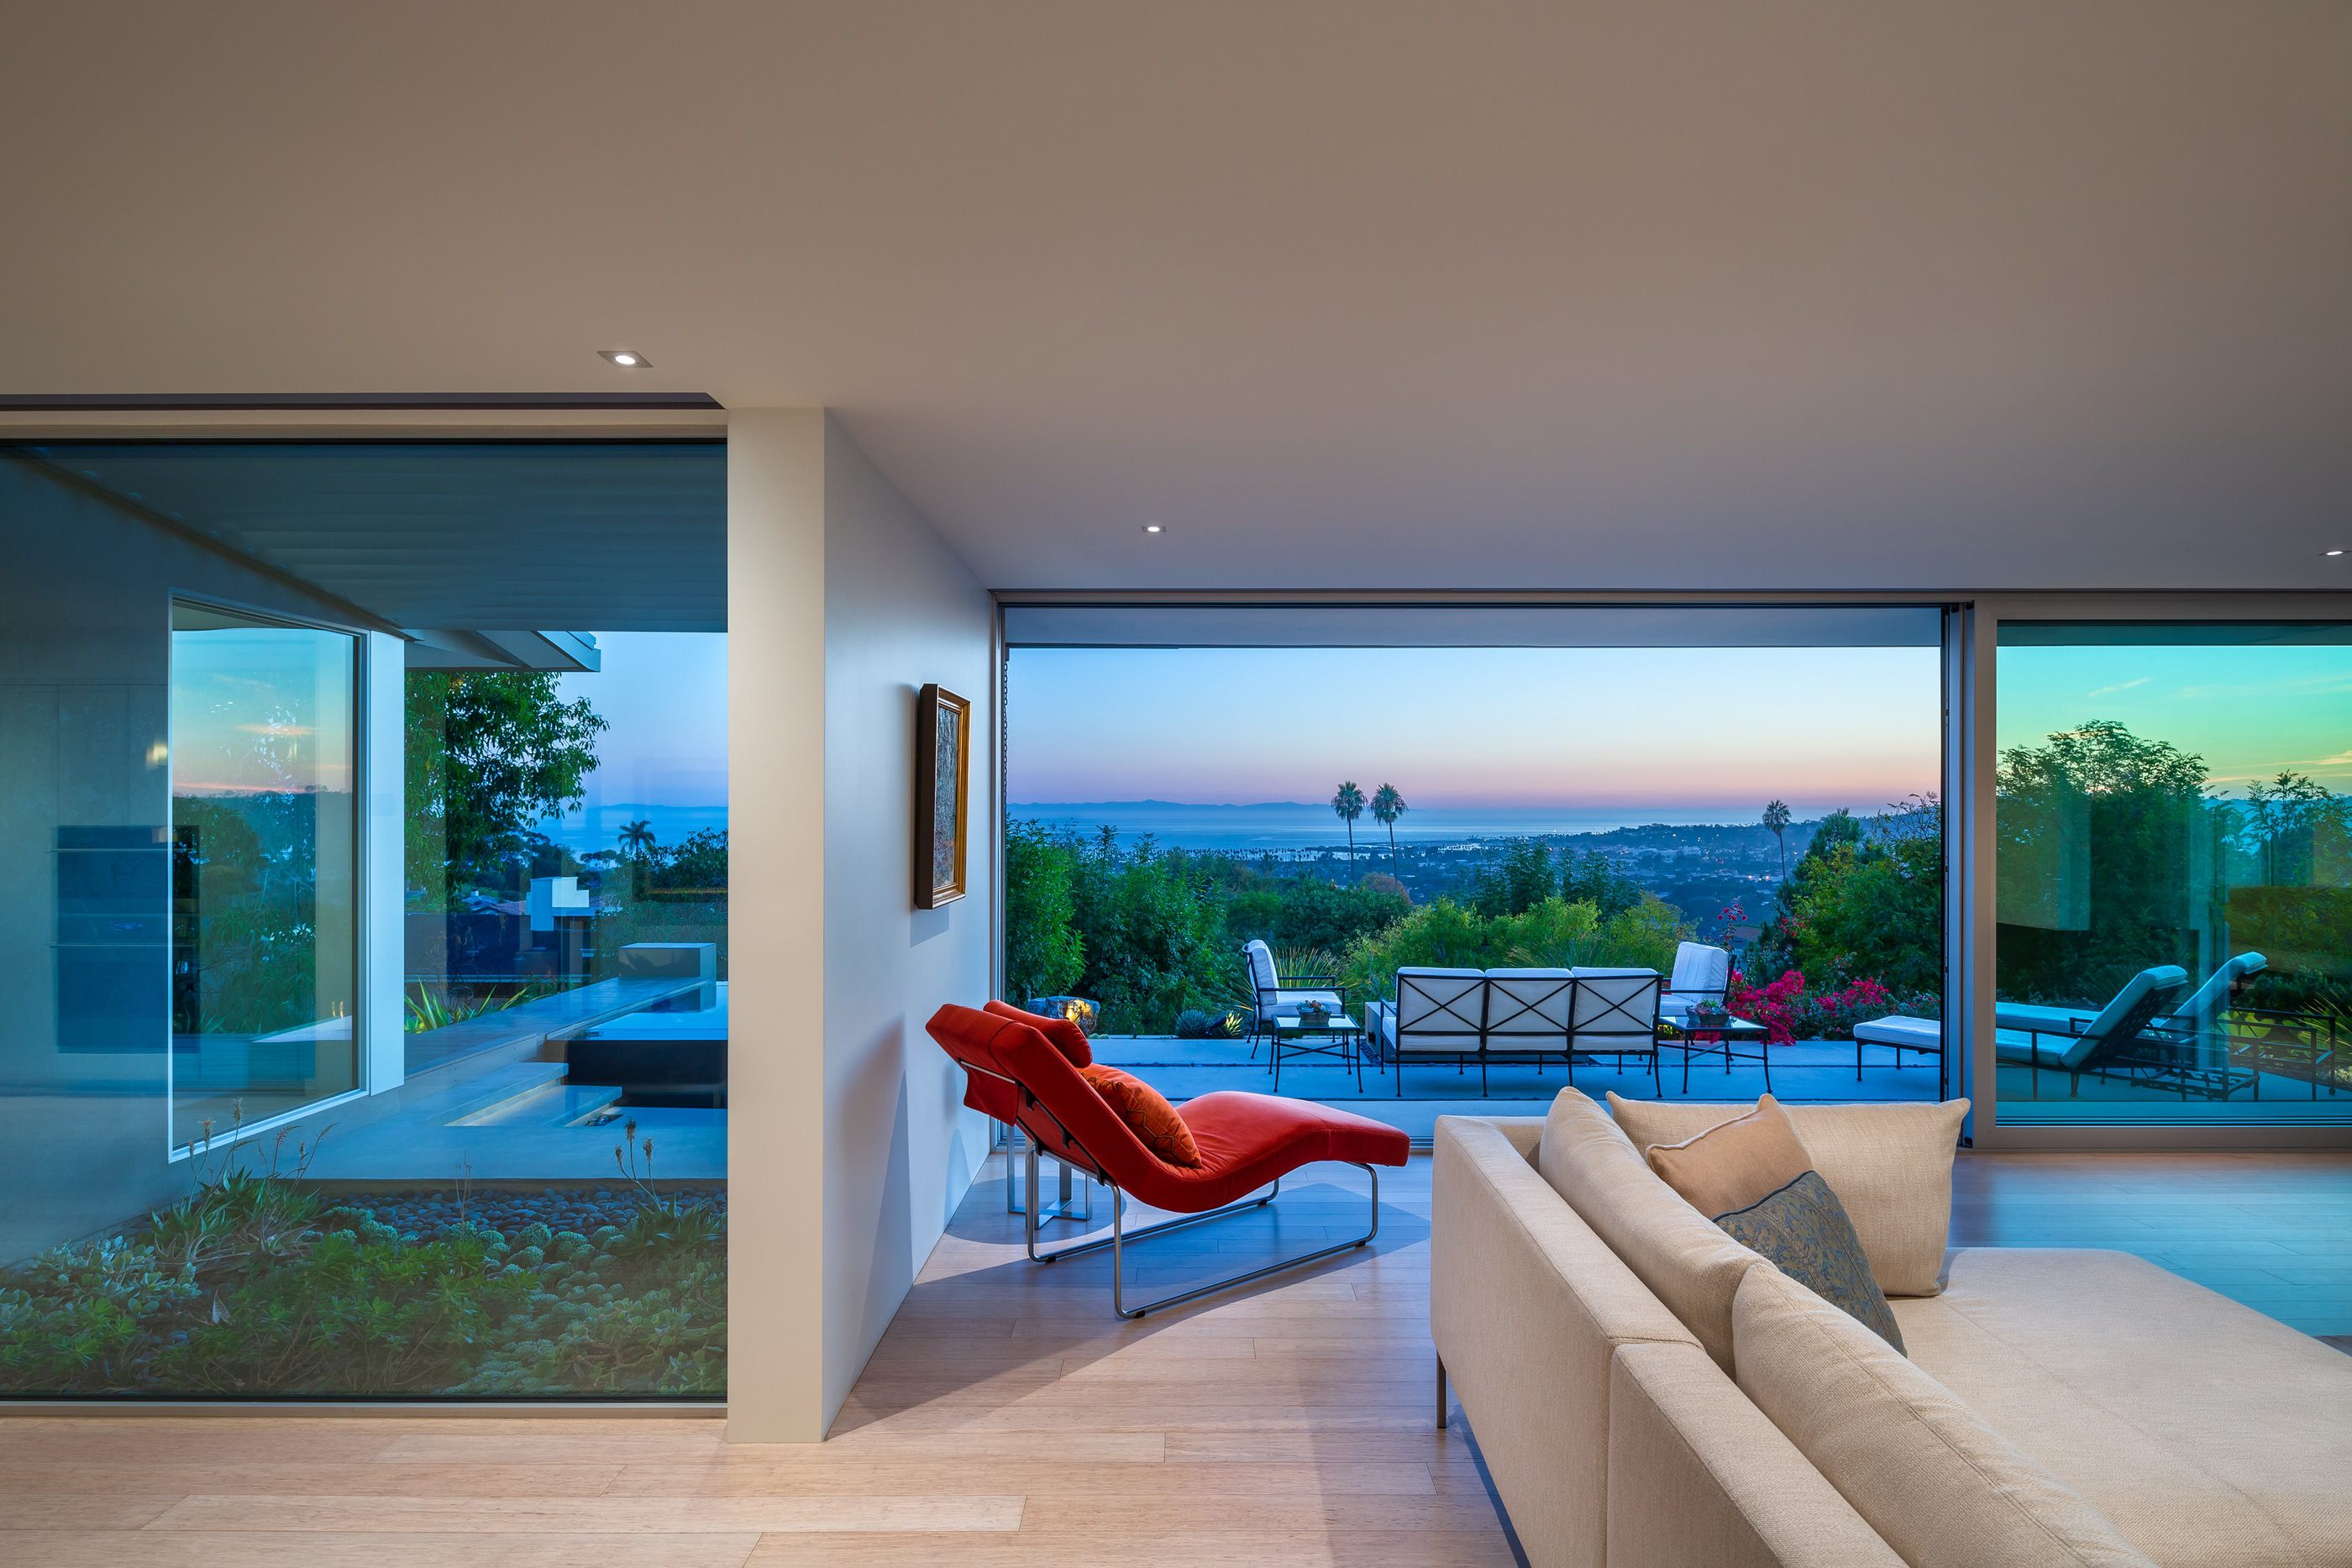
(1008, 1418)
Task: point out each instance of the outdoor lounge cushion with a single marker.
(1064, 1034)
(1943, 1487)
(2053, 1045)
(1683, 1257)
(1245, 1140)
(1890, 1165)
(2202, 1008)
(2205, 1431)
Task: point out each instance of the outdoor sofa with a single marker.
(1515, 1015)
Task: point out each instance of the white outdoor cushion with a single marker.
(1439, 1012)
(1289, 1002)
(1901, 1029)
(1261, 957)
(1700, 970)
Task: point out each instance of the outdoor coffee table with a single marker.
(1334, 1035)
(1722, 1037)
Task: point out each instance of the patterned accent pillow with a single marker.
(1803, 1229)
(1147, 1113)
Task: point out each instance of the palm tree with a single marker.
(1349, 804)
(637, 839)
(1776, 818)
(1387, 807)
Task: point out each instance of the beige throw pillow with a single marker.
(1942, 1488)
(1735, 1163)
(1890, 1166)
(1682, 1255)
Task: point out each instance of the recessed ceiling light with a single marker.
(627, 359)
(1151, 527)
(2336, 552)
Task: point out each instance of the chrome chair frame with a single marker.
(1118, 1238)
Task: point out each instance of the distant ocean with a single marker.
(600, 827)
(1295, 825)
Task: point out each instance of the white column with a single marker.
(776, 821)
(383, 827)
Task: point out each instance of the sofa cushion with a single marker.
(1696, 1475)
(2205, 1431)
(1935, 1481)
(1890, 1165)
(1733, 1164)
(1683, 1257)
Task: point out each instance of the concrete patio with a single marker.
(1819, 1070)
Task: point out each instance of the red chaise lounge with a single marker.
(1247, 1142)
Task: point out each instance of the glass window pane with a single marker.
(263, 842)
(2174, 872)
(367, 1028)
(1746, 802)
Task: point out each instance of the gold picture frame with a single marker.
(942, 795)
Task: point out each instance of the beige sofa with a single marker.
(2057, 1406)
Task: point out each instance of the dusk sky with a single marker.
(2248, 711)
(665, 696)
(1678, 729)
(260, 709)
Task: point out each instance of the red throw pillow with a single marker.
(1067, 1037)
(1147, 1110)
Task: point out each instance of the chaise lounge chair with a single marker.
(2122, 1040)
(1247, 1141)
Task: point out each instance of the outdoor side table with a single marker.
(1334, 1035)
(1723, 1037)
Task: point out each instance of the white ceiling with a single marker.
(2047, 294)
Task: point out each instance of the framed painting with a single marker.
(942, 791)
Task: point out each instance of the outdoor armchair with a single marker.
(1702, 974)
(1274, 998)
(1247, 1142)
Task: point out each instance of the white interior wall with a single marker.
(901, 609)
(776, 807)
(850, 1146)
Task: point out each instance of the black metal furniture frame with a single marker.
(1482, 1026)
(1327, 1040)
(1726, 1032)
(1118, 1239)
(2266, 1034)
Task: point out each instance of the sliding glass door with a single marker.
(264, 842)
(2174, 872)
